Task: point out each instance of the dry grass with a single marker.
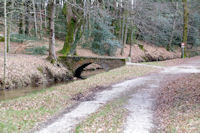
(178, 107)
(24, 70)
(24, 113)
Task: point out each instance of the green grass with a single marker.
(156, 63)
(22, 114)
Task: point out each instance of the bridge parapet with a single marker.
(77, 63)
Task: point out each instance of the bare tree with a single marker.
(35, 17)
(5, 41)
(186, 20)
(52, 53)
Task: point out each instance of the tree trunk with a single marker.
(52, 53)
(27, 23)
(40, 8)
(122, 35)
(5, 44)
(130, 51)
(71, 28)
(20, 31)
(125, 38)
(45, 16)
(9, 26)
(8, 36)
(35, 17)
(186, 19)
(169, 46)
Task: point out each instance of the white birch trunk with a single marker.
(5, 42)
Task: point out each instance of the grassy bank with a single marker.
(22, 114)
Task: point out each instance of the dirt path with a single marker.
(140, 118)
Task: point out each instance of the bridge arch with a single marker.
(76, 64)
(78, 71)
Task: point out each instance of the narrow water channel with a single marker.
(15, 93)
(20, 92)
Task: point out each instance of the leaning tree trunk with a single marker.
(52, 53)
(185, 27)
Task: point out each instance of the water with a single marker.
(15, 93)
(20, 92)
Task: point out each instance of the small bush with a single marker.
(37, 50)
(193, 53)
(1, 39)
(141, 47)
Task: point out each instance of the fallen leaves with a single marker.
(178, 105)
(28, 111)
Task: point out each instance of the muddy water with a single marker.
(15, 93)
(20, 92)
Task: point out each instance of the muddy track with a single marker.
(140, 104)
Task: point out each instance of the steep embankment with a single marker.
(25, 70)
(141, 52)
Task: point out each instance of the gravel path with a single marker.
(140, 119)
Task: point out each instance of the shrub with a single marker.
(21, 38)
(37, 50)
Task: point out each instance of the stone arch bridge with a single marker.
(76, 64)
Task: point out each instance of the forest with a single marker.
(101, 25)
(132, 51)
